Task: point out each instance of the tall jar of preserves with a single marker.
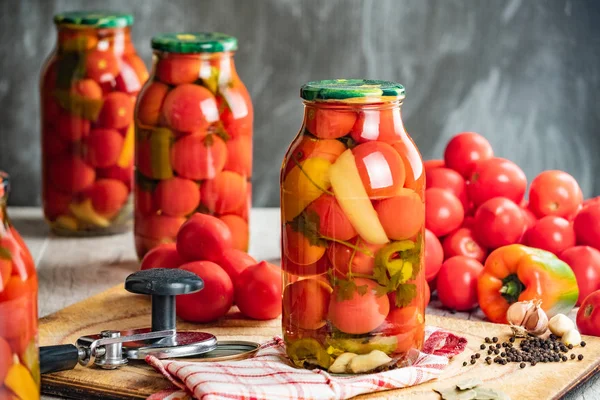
(88, 91)
(193, 139)
(352, 210)
(19, 365)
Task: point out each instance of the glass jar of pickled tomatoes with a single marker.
(352, 191)
(19, 365)
(88, 91)
(193, 139)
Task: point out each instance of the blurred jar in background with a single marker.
(88, 91)
(193, 139)
(19, 365)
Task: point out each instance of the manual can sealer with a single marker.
(112, 349)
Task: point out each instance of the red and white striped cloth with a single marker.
(269, 374)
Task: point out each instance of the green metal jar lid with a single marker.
(352, 90)
(94, 19)
(194, 42)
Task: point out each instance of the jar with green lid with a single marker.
(88, 89)
(353, 216)
(193, 139)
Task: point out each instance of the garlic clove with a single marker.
(340, 365)
(527, 317)
(560, 324)
(368, 362)
(571, 337)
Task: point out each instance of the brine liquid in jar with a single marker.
(193, 140)
(88, 90)
(19, 364)
(352, 208)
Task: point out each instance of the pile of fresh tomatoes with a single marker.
(205, 247)
(475, 203)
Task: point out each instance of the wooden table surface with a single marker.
(72, 269)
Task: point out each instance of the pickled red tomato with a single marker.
(150, 103)
(401, 216)
(380, 125)
(244, 209)
(330, 124)
(158, 227)
(144, 202)
(316, 268)
(108, 196)
(402, 320)
(333, 222)
(413, 165)
(239, 156)
(198, 156)
(189, 108)
(87, 88)
(101, 66)
(56, 203)
(71, 174)
(103, 147)
(225, 193)
(71, 127)
(162, 256)
(176, 196)
(347, 259)
(117, 111)
(361, 313)
(309, 147)
(239, 230)
(380, 168)
(133, 74)
(306, 303)
(178, 69)
(237, 115)
(124, 175)
(298, 249)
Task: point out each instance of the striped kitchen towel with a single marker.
(270, 375)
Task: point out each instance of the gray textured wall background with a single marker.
(525, 73)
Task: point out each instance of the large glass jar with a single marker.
(19, 365)
(352, 209)
(88, 91)
(193, 139)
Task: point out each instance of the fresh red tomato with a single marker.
(593, 200)
(585, 263)
(468, 222)
(443, 211)
(554, 193)
(464, 149)
(203, 237)
(530, 218)
(213, 301)
(457, 283)
(433, 164)
(462, 242)
(434, 255)
(162, 256)
(587, 225)
(446, 178)
(498, 222)
(554, 234)
(258, 294)
(588, 316)
(234, 262)
(496, 177)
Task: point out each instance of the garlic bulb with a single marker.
(571, 337)
(560, 324)
(526, 317)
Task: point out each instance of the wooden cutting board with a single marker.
(117, 309)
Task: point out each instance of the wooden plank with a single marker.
(117, 309)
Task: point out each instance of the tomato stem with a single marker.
(511, 288)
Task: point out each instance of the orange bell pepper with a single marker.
(518, 273)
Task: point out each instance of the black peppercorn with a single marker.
(465, 364)
(512, 339)
(473, 361)
(564, 358)
(522, 365)
(489, 352)
(580, 357)
(582, 344)
(503, 354)
(488, 361)
(573, 356)
(496, 351)
(477, 355)
(498, 345)
(495, 339)
(482, 347)
(570, 346)
(487, 340)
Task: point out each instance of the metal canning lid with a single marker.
(229, 350)
(94, 19)
(194, 42)
(352, 90)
